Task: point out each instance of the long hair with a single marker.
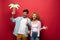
(37, 16)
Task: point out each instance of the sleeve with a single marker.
(39, 28)
(29, 22)
(13, 19)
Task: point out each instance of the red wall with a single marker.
(48, 10)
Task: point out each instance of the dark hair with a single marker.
(26, 10)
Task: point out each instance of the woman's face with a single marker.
(34, 16)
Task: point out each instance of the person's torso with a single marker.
(23, 26)
(34, 27)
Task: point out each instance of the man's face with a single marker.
(25, 14)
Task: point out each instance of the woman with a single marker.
(35, 26)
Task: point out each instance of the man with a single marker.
(22, 25)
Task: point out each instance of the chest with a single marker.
(24, 20)
(34, 25)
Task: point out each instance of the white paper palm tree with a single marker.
(14, 5)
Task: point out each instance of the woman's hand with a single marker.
(45, 27)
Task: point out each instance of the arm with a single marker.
(44, 27)
(29, 24)
(39, 28)
(12, 18)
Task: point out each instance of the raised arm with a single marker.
(14, 7)
(12, 17)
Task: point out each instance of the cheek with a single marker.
(25, 14)
(34, 17)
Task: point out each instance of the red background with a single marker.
(48, 10)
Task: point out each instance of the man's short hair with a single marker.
(26, 10)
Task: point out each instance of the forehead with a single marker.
(25, 12)
(34, 14)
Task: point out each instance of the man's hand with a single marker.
(29, 32)
(13, 13)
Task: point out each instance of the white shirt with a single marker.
(23, 26)
(36, 27)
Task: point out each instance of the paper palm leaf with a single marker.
(14, 5)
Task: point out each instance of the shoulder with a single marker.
(28, 18)
(39, 21)
(18, 17)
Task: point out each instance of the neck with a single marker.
(24, 16)
(34, 20)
